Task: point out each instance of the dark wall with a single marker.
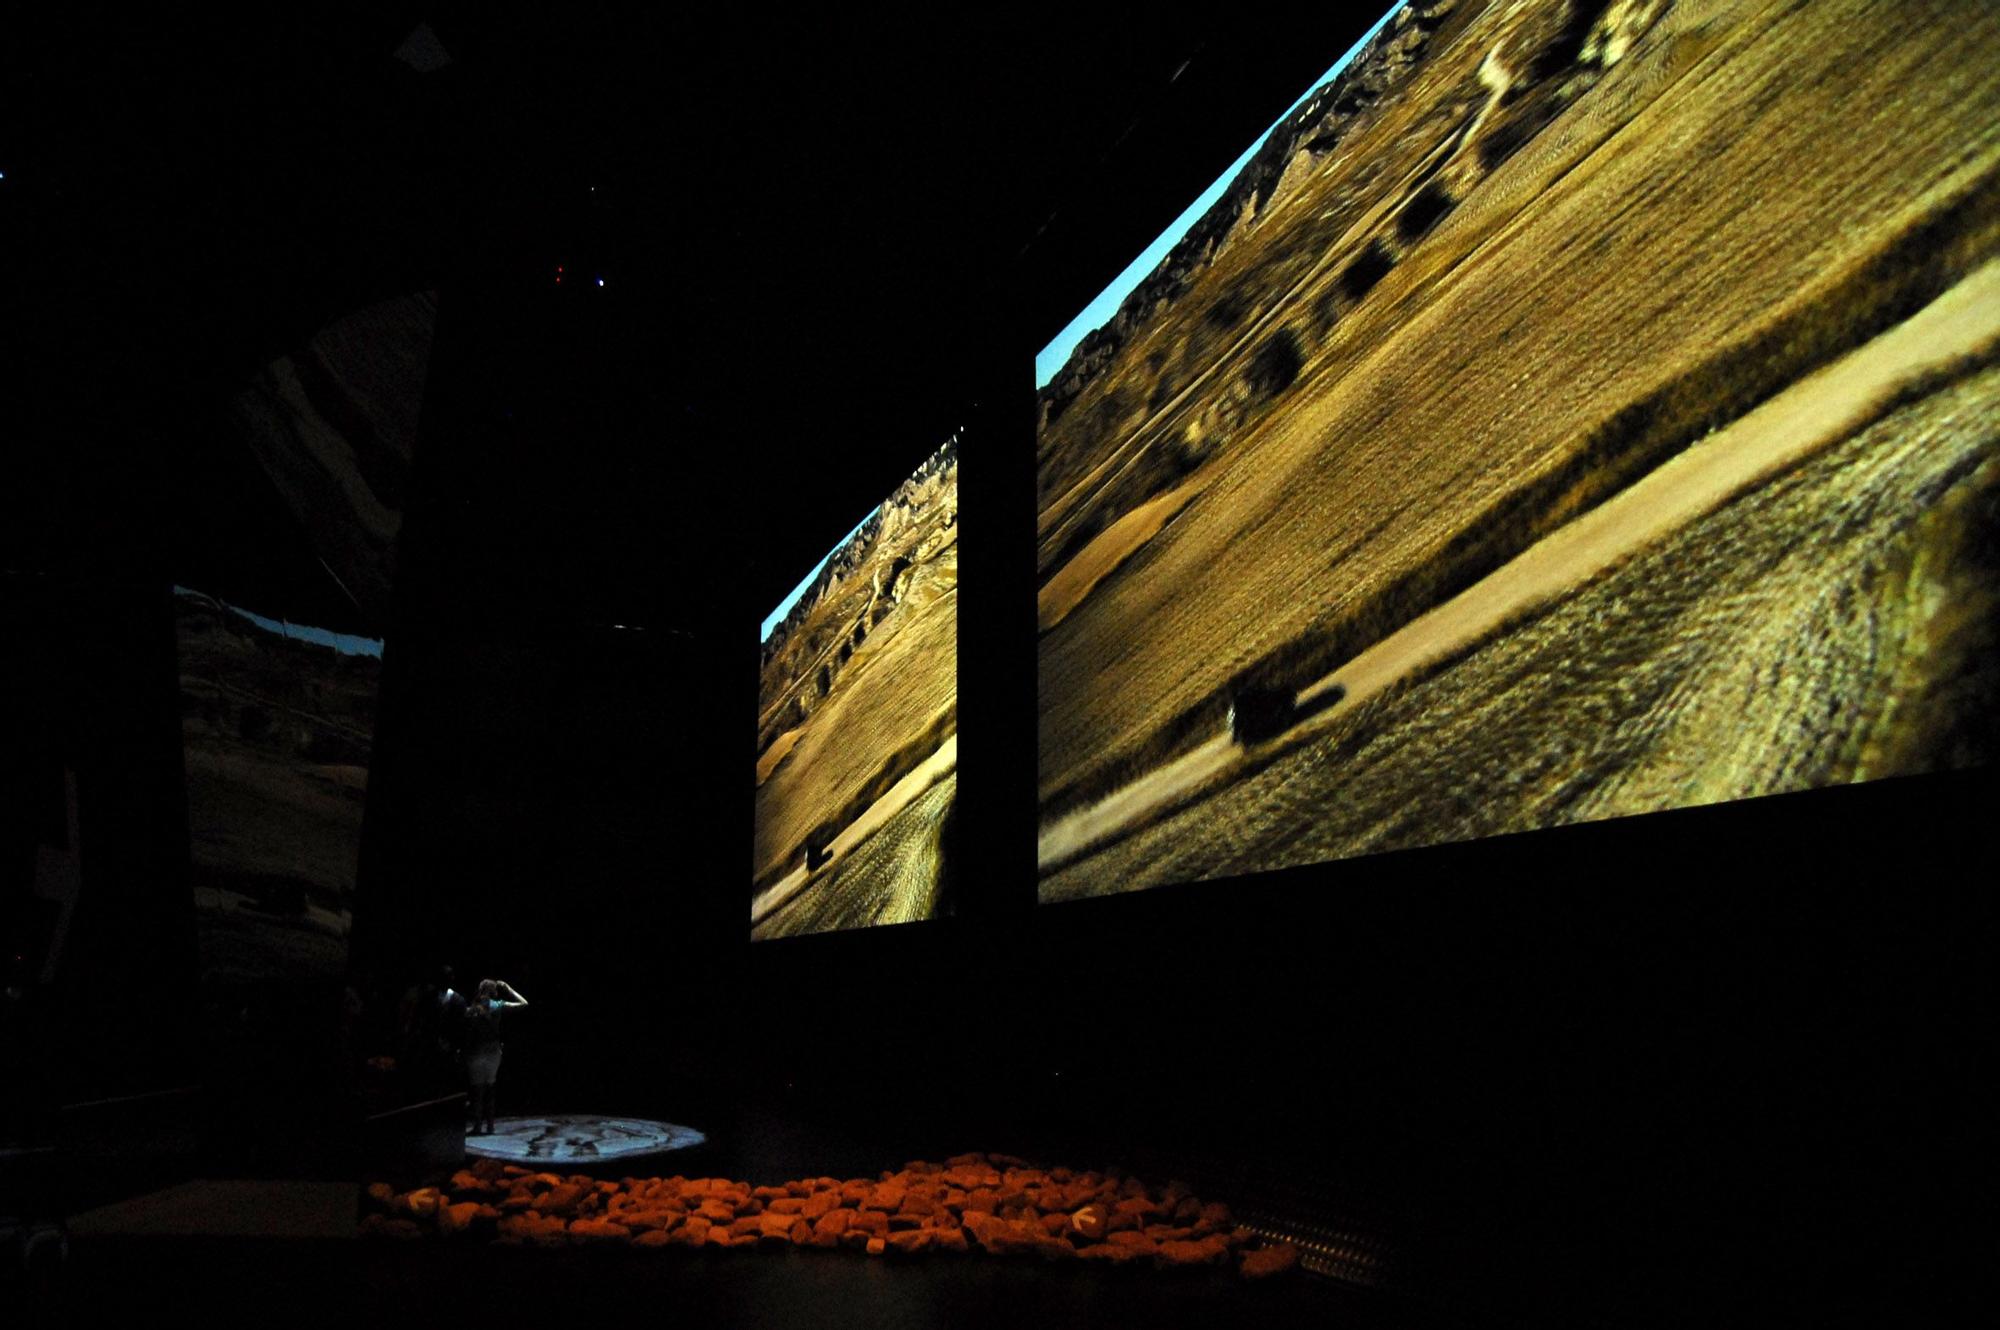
(547, 804)
(1647, 1067)
(93, 699)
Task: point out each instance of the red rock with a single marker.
(717, 1238)
(1187, 1210)
(458, 1218)
(1007, 1238)
(819, 1203)
(870, 1221)
(1240, 1235)
(785, 1205)
(489, 1170)
(655, 1237)
(803, 1188)
(1137, 1209)
(543, 1232)
(1055, 1225)
(953, 1198)
(961, 1161)
(382, 1194)
(983, 1200)
(910, 1241)
(950, 1239)
(903, 1221)
(646, 1216)
(1168, 1233)
(715, 1210)
(877, 1246)
(768, 1193)
(564, 1199)
(695, 1230)
(854, 1192)
(1080, 1193)
(857, 1238)
(1182, 1254)
(801, 1232)
(423, 1203)
(829, 1226)
(599, 1230)
(1132, 1240)
(748, 1224)
(1268, 1261)
(776, 1226)
(1111, 1253)
(888, 1198)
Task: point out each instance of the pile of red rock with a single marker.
(992, 1203)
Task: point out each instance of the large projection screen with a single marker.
(1567, 411)
(857, 723)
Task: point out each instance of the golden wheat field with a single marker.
(857, 724)
(1597, 414)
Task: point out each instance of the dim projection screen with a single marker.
(1566, 411)
(277, 736)
(857, 723)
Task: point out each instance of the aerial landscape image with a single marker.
(857, 723)
(277, 727)
(1570, 409)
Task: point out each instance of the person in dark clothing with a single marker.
(431, 1021)
(448, 1022)
(483, 1047)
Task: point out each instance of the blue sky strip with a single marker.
(1100, 311)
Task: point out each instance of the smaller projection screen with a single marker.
(1568, 410)
(857, 723)
(277, 728)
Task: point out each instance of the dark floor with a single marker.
(208, 1281)
(120, 1271)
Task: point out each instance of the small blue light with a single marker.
(600, 281)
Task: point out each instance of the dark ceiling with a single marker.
(814, 232)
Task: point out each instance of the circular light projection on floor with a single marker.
(578, 1138)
